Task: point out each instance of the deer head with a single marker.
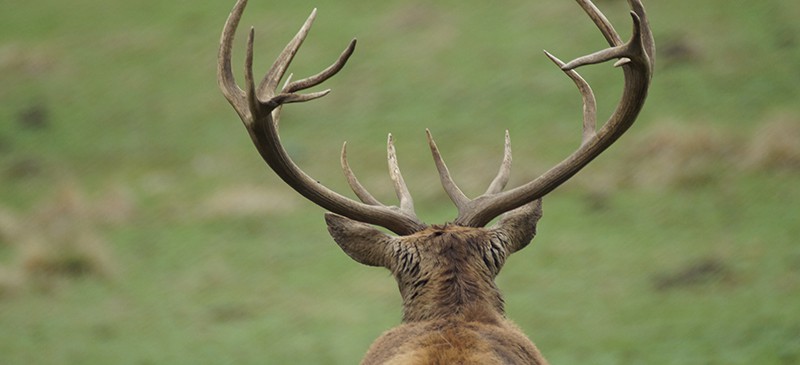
(453, 311)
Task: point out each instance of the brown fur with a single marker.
(453, 312)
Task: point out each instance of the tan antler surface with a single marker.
(260, 108)
(636, 57)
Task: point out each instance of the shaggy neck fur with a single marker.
(459, 284)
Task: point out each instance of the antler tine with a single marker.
(227, 82)
(359, 189)
(589, 102)
(646, 37)
(278, 70)
(400, 187)
(500, 181)
(456, 195)
(260, 108)
(637, 58)
(276, 101)
(453, 191)
(275, 74)
(601, 22)
(252, 99)
(634, 48)
(324, 74)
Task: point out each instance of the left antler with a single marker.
(260, 108)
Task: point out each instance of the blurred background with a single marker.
(138, 225)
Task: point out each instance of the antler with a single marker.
(636, 57)
(260, 109)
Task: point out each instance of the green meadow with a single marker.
(138, 225)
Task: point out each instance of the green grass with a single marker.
(115, 104)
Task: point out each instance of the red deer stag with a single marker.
(452, 310)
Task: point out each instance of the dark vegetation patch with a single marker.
(708, 270)
(677, 51)
(34, 117)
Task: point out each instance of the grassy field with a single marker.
(139, 226)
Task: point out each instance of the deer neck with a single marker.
(455, 296)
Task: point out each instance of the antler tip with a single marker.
(555, 60)
(636, 18)
(622, 62)
(431, 142)
(250, 39)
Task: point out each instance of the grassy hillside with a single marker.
(139, 226)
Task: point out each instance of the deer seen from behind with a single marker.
(452, 310)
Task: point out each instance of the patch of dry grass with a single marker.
(61, 238)
(671, 154)
(247, 201)
(20, 57)
(11, 281)
(9, 227)
(775, 144)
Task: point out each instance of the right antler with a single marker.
(636, 58)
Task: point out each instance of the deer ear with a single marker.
(362, 242)
(517, 227)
